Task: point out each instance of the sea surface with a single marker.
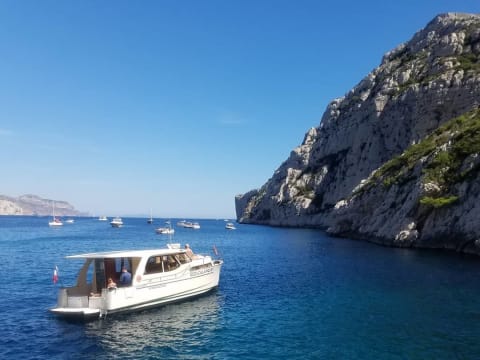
(283, 294)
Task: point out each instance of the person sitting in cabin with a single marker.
(125, 277)
(111, 284)
(189, 251)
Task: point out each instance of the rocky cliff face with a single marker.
(333, 180)
(35, 205)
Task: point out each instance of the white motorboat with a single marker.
(195, 225)
(55, 221)
(165, 230)
(189, 224)
(230, 226)
(116, 222)
(184, 223)
(70, 221)
(159, 276)
(102, 218)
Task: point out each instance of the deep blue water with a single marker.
(283, 294)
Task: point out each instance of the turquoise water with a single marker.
(283, 293)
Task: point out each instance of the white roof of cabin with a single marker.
(127, 253)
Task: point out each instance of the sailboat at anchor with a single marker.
(150, 221)
(55, 221)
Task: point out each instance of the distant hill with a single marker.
(35, 205)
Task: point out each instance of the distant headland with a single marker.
(35, 205)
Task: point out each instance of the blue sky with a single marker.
(122, 106)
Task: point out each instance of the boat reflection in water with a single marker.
(165, 332)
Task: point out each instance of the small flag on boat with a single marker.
(55, 275)
(215, 251)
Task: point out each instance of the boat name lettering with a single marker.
(202, 271)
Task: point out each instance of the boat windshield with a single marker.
(164, 263)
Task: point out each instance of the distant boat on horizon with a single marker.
(116, 222)
(102, 218)
(150, 221)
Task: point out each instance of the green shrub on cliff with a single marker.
(443, 153)
(439, 201)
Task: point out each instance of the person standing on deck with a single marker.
(125, 277)
(188, 251)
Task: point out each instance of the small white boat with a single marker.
(159, 276)
(183, 223)
(189, 224)
(55, 221)
(195, 225)
(102, 218)
(116, 222)
(166, 230)
(230, 226)
(69, 221)
(150, 221)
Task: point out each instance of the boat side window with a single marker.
(171, 263)
(182, 258)
(154, 265)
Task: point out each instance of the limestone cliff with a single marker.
(336, 179)
(35, 205)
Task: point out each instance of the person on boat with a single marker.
(125, 277)
(189, 251)
(111, 284)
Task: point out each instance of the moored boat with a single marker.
(159, 276)
(183, 223)
(167, 230)
(189, 224)
(230, 226)
(55, 220)
(150, 220)
(195, 225)
(116, 222)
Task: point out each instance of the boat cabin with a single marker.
(99, 267)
